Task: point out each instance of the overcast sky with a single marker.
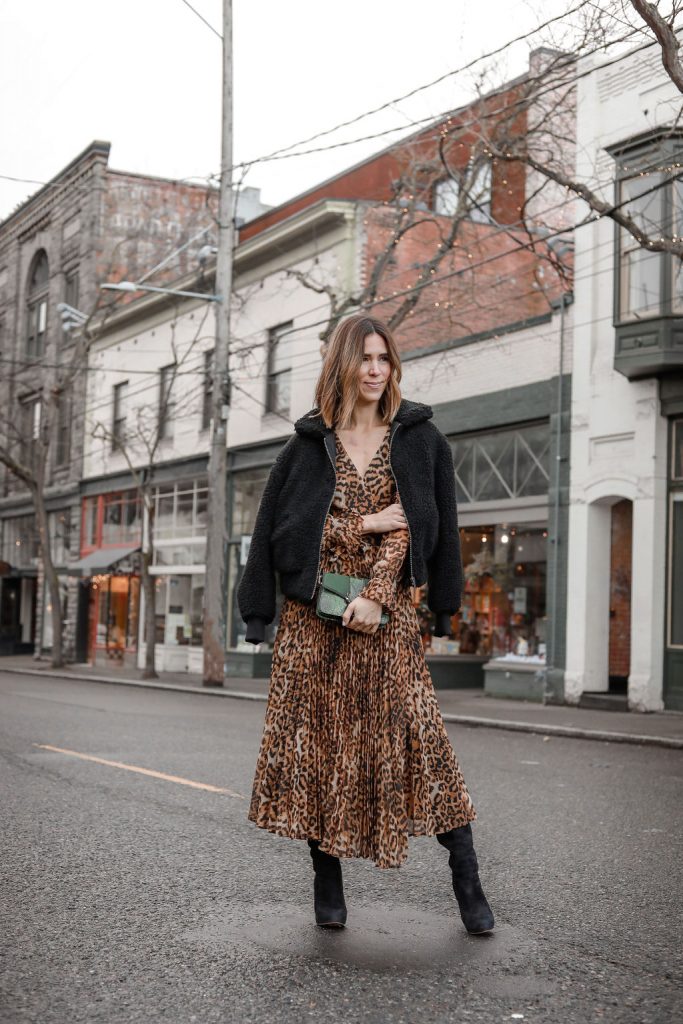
(145, 76)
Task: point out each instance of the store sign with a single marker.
(519, 603)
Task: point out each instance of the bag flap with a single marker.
(335, 583)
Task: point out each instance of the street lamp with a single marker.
(131, 286)
(71, 317)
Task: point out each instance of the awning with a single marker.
(100, 560)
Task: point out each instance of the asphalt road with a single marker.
(133, 898)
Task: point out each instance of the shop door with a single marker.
(82, 619)
(619, 658)
(673, 658)
(114, 609)
(10, 602)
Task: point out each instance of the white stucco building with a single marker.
(625, 575)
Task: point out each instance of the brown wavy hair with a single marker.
(336, 392)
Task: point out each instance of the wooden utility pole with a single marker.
(216, 580)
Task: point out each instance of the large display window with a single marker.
(247, 487)
(503, 608)
(675, 572)
(178, 609)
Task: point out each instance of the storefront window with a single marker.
(502, 464)
(20, 542)
(677, 461)
(178, 609)
(248, 487)
(59, 524)
(47, 617)
(180, 516)
(121, 518)
(90, 507)
(675, 630)
(504, 601)
(192, 553)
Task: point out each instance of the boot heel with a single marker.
(475, 911)
(328, 888)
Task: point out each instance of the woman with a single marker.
(354, 756)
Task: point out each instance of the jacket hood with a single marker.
(409, 413)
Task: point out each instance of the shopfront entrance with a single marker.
(17, 614)
(108, 607)
(113, 616)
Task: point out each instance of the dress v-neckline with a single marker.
(362, 476)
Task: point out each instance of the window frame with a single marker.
(37, 294)
(31, 421)
(274, 377)
(166, 412)
(62, 456)
(655, 151)
(119, 415)
(71, 287)
(207, 392)
(481, 213)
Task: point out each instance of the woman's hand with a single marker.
(363, 615)
(390, 518)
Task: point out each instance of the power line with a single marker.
(284, 153)
(467, 270)
(428, 85)
(202, 18)
(436, 119)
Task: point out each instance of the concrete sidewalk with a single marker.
(466, 707)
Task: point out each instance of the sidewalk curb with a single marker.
(567, 730)
(571, 731)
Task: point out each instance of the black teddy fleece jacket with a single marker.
(289, 524)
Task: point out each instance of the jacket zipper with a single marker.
(398, 495)
(320, 546)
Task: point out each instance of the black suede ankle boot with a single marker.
(328, 890)
(475, 912)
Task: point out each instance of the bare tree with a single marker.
(522, 136)
(546, 106)
(29, 433)
(140, 444)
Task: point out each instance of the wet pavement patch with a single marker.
(376, 938)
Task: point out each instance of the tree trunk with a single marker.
(147, 581)
(49, 572)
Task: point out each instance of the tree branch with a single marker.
(666, 37)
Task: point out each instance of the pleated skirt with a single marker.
(354, 749)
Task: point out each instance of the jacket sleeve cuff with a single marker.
(443, 624)
(256, 630)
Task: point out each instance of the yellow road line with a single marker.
(142, 771)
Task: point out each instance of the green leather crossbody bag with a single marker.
(336, 592)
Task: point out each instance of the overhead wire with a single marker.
(428, 85)
(283, 152)
(467, 270)
(202, 18)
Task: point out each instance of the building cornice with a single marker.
(38, 205)
(283, 237)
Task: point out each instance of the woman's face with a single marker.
(375, 369)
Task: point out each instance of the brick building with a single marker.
(488, 346)
(89, 224)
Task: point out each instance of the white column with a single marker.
(588, 600)
(645, 682)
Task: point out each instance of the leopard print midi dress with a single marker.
(354, 749)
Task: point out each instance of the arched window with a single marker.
(36, 305)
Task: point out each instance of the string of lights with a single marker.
(459, 272)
